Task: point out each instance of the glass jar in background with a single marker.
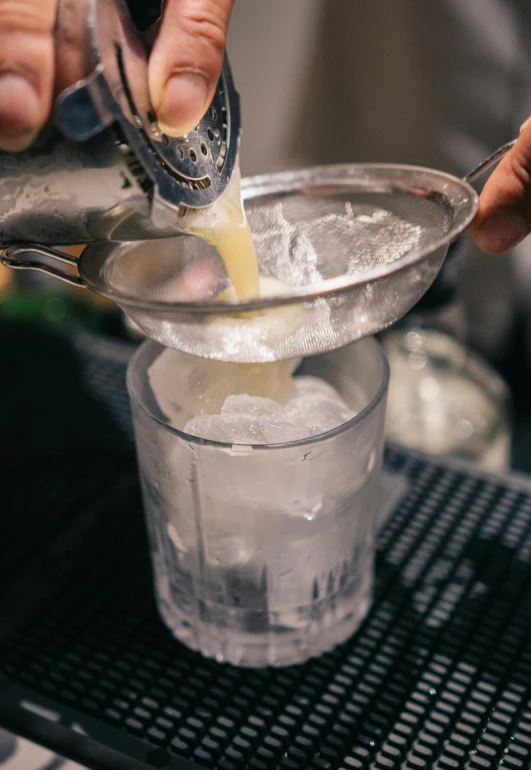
(444, 400)
(263, 555)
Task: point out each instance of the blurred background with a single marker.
(439, 84)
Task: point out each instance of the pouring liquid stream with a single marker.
(224, 225)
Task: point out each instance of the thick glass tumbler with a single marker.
(263, 555)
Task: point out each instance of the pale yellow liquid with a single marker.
(234, 242)
(225, 226)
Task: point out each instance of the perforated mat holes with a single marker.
(439, 675)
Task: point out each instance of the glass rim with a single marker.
(191, 439)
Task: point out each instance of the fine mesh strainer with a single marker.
(357, 245)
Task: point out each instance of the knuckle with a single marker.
(31, 18)
(520, 166)
(207, 23)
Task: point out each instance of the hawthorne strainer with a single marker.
(356, 246)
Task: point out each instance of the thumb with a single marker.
(503, 218)
(186, 61)
(26, 69)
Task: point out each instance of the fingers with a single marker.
(186, 61)
(503, 218)
(184, 66)
(70, 43)
(26, 69)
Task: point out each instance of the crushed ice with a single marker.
(312, 407)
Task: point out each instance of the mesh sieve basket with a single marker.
(357, 246)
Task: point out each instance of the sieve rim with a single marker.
(310, 179)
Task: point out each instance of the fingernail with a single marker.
(500, 232)
(525, 124)
(19, 112)
(183, 104)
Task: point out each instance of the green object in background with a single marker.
(61, 312)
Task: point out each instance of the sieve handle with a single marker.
(488, 162)
(30, 257)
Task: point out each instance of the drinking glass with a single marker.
(263, 555)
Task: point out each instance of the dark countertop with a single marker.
(439, 672)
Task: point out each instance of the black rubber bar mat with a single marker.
(438, 676)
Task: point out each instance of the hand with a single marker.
(503, 218)
(35, 65)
